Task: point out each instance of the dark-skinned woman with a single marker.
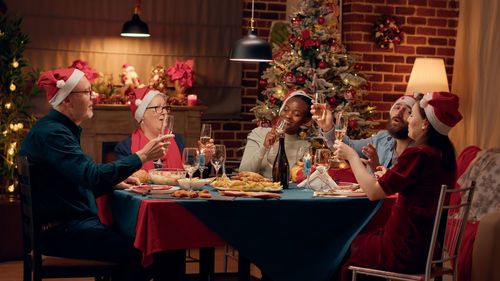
(295, 110)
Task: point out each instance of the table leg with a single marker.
(207, 264)
(243, 268)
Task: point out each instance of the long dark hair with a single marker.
(440, 142)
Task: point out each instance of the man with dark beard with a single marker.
(383, 148)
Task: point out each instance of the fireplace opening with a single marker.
(108, 151)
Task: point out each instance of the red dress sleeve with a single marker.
(404, 173)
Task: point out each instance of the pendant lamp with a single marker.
(251, 48)
(135, 27)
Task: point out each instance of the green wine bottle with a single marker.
(281, 168)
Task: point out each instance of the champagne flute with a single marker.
(319, 99)
(167, 127)
(190, 162)
(218, 158)
(205, 135)
(340, 130)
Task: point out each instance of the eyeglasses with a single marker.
(160, 109)
(89, 92)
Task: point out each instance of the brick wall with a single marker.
(430, 28)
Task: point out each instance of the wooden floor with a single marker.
(13, 270)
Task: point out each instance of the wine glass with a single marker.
(206, 133)
(205, 136)
(340, 130)
(190, 161)
(322, 159)
(167, 127)
(319, 99)
(281, 126)
(218, 158)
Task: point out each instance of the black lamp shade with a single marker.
(135, 28)
(251, 49)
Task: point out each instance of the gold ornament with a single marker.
(12, 87)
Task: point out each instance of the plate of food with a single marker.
(224, 183)
(153, 189)
(344, 185)
(344, 192)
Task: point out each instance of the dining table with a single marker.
(295, 237)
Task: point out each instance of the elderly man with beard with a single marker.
(383, 148)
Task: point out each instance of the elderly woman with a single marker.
(295, 110)
(402, 244)
(149, 109)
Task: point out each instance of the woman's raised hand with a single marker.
(322, 116)
(380, 171)
(370, 152)
(270, 138)
(155, 148)
(343, 151)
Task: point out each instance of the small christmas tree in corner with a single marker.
(312, 59)
(15, 121)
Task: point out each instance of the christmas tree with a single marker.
(14, 98)
(313, 59)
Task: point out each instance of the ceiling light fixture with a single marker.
(251, 48)
(135, 27)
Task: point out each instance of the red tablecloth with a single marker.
(153, 234)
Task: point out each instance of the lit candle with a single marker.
(192, 100)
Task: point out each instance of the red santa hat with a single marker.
(139, 100)
(408, 100)
(441, 109)
(293, 94)
(59, 83)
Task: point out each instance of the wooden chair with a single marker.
(449, 226)
(37, 265)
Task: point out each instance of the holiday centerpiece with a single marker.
(313, 59)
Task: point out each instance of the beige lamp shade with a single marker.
(427, 75)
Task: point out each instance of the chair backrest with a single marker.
(449, 226)
(30, 207)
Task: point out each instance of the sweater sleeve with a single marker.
(254, 151)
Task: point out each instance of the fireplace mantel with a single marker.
(113, 123)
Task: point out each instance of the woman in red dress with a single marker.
(402, 244)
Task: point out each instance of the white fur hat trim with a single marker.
(65, 87)
(141, 107)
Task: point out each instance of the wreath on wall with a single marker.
(388, 32)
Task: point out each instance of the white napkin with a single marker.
(319, 180)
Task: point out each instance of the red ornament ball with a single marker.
(272, 99)
(358, 67)
(321, 20)
(350, 94)
(353, 123)
(263, 83)
(332, 100)
(301, 80)
(322, 65)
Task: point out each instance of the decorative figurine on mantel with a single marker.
(182, 75)
(130, 79)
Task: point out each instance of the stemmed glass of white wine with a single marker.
(319, 99)
(205, 136)
(340, 129)
(167, 127)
